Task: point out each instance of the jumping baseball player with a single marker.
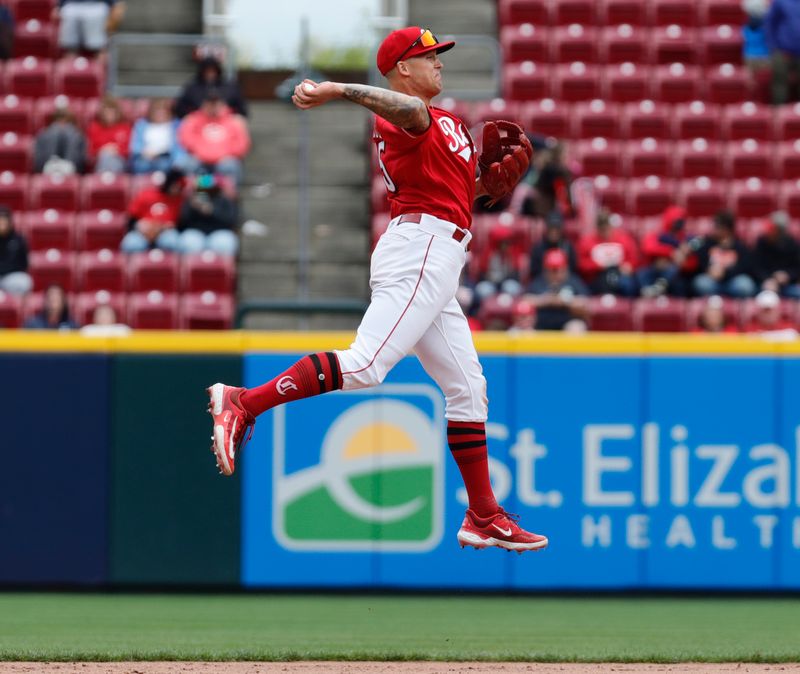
(429, 163)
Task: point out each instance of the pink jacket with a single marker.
(211, 139)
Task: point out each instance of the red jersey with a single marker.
(152, 204)
(433, 172)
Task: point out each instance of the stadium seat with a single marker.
(49, 229)
(14, 190)
(153, 310)
(598, 157)
(648, 196)
(697, 120)
(789, 197)
(752, 198)
(496, 108)
(728, 83)
(79, 77)
(55, 191)
(96, 230)
(105, 191)
(749, 158)
(646, 119)
(511, 12)
(787, 159)
(787, 122)
(566, 12)
(731, 309)
(697, 158)
(575, 82)
(633, 12)
(647, 157)
(32, 9)
(526, 81)
(101, 270)
(16, 114)
(610, 314)
(208, 271)
(611, 193)
(52, 267)
(28, 77)
(720, 44)
(525, 42)
(10, 310)
(701, 197)
(747, 120)
(677, 83)
(35, 38)
(660, 314)
(206, 311)
(721, 12)
(86, 302)
(625, 82)
(674, 12)
(674, 44)
(16, 152)
(380, 222)
(153, 270)
(546, 117)
(595, 119)
(44, 108)
(460, 109)
(495, 311)
(623, 44)
(573, 43)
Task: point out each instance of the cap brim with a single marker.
(439, 48)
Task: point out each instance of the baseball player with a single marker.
(429, 163)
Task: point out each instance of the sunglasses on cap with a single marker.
(426, 38)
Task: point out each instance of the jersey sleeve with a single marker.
(397, 136)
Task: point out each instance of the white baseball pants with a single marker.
(414, 274)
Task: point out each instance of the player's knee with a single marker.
(467, 399)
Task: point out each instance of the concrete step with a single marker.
(157, 16)
(328, 205)
(279, 280)
(348, 245)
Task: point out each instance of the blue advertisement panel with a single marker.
(644, 472)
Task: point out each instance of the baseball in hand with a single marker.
(308, 88)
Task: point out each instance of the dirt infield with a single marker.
(380, 668)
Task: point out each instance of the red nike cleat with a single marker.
(233, 426)
(498, 531)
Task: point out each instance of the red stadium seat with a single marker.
(677, 83)
(596, 119)
(96, 230)
(526, 81)
(101, 270)
(623, 44)
(52, 267)
(55, 191)
(660, 314)
(599, 157)
(669, 12)
(49, 229)
(674, 44)
(34, 38)
(79, 77)
(610, 314)
(14, 190)
(789, 197)
(697, 158)
(44, 109)
(730, 309)
(28, 77)
(10, 310)
(206, 311)
(721, 12)
(747, 120)
(633, 12)
(105, 191)
(547, 117)
(646, 119)
(153, 270)
(16, 115)
(525, 42)
(752, 198)
(749, 158)
(153, 310)
(721, 44)
(648, 196)
(787, 157)
(611, 193)
(496, 311)
(32, 9)
(513, 12)
(787, 122)
(574, 43)
(647, 157)
(86, 303)
(496, 108)
(566, 12)
(575, 82)
(697, 120)
(625, 83)
(460, 109)
(728, 83)
(208, 271)
(16, 152)
(701, 197)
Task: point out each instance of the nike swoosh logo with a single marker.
(503, 531)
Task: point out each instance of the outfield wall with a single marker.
(650, 462)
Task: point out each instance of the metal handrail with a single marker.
(299, 307)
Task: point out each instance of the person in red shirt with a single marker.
(109, 136)
(607, 259)
(669, 260)
(768, 315)
(153, 214)
(429, 164)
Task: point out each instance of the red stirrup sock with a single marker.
(467, 442)
(309, 376)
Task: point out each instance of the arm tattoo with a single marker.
(407, 112)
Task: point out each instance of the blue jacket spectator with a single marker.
(154, 140)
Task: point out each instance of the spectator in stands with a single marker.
(61, 146)
(782, 28)
(55, 312)
(712, 318)
(768, 316)
(523, 316)
(607, 258)
(546, 187)
(724, 262)
(559, 296)
(776, 260)
(669, 259)
(104, 323)
(209, 77)
(755, 51)
(207, 219)
(553, 239)
(154, 140)
(86, 24)
(216, 138)
(153, 216)
(14, 277)
(109, 136)
(499, 266)
(6, 32)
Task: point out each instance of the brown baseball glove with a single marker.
(505, 157)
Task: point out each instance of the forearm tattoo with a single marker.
(407, 112)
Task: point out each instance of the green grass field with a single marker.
(266, 627)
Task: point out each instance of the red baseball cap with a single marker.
(555, 259)
(406, 43)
